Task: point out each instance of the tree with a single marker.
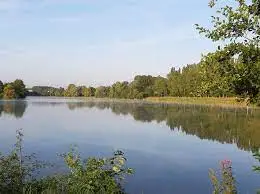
(238, 27)
(133, 92)
(19, 87)
(1, 89)
(47, 91)
(175, 82)
(237, 23)
(88, 92)
(143, 85)
(59, 91)
(92, 91)
(9, 92)
(119, 90)
(160, 86)
(214, 78)
(72, 91)
(102, 92)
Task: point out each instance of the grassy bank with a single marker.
(213, 101)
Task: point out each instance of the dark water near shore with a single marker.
(170, 147)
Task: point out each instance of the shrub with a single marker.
(94, 175)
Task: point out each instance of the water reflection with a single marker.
(15, 108)
(212, 123)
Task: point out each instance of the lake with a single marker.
(170, 147)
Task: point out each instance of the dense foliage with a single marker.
(47, 91)
(15, 89)
(237, 27)
(95, 175)
(209, 78)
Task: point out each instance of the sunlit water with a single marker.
(170, 147)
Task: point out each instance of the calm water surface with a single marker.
(170, 147)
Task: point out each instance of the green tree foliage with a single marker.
(13, 90)
(238, 22)
(160, 86)
(119, 90)
(88, 92)
(72, 91)
(9, 92)
(174, 83)
(47, 91)
(214, 78)
(142, 86)
(102, 92)
(19, 88)
(185, 81)
(238, 27)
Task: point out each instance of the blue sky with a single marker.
(97, 42)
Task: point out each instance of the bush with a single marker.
(94, 175)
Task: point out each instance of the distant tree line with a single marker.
(13, 90)
(232, 70)
(209, 78)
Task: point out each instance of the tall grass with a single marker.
(214, 101)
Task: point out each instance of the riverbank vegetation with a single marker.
(93, 176)
(12, 90)
(212, 101)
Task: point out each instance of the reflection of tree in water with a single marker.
(220, 124)
(16, 108)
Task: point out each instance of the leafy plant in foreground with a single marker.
(94, 175)
(17, 169)
(225, 184)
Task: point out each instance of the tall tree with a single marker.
(72, 91)
(175, 82)
(119, 90)
(143, 85)
(102, 92)
(19, 88)
(237, 25)
(160, 86)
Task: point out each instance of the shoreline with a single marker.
(229, 102)
(224, 102)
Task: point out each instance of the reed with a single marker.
(213, 101)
